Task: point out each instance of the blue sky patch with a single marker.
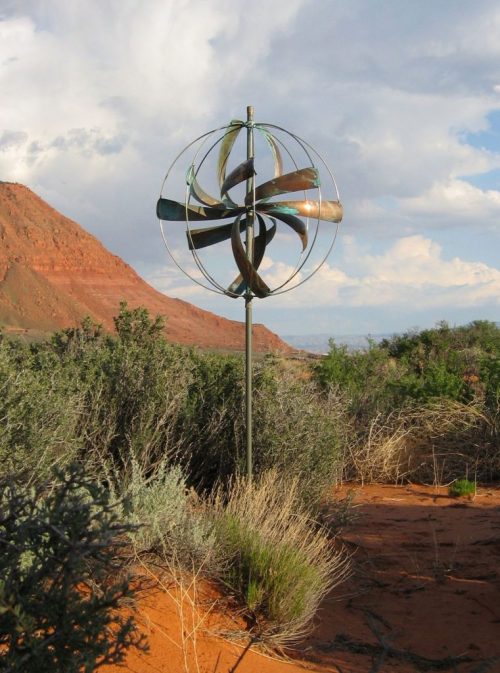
(488, 180)
(489, 139)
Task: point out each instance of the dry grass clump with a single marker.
(380, 453)
(279, 561)
(453, 438)
(431, 442)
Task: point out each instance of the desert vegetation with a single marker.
(153, 436)
(422, 405)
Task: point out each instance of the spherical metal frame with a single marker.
(267, 131)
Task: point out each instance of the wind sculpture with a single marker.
(256, 213)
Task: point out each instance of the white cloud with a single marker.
(413, 270)
(97, 99)
(455, 198)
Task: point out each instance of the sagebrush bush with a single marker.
(367, 414)
(298, 431)
(59, 594)
(168, 519)
(39, 411)
(212, 423)
(135, 396)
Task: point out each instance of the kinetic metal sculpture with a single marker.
(257, 205)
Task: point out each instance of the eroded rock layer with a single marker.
(53, 273)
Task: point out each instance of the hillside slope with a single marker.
(53, 273)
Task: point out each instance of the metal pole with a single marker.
(250, 215)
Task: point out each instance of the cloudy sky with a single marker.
(401, 97)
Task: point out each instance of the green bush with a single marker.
(58, 600)
(297, 431)
(39, 411)
(438, 381)
(462, 487)
(363, 375)
(212, 423)
(135, 397)
(458, 363)
(454, 362)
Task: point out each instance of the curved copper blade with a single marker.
(241, 173)
(260, 243)
(296, 181)
(278, 161)
(247, 270)
(198, 192)
(294, 222)
(201, 238)
(226, 147)
(331, 211)
(166, 209)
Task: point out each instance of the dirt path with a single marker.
(425, 593)
(424, 596)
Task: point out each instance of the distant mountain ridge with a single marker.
(53, 273)
(318, 343)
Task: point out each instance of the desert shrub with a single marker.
(167, 518)
(58, 547)
(212, 424)
(39, 411)
(135, 396)
(298, 431)
(438, 381)
(362, 375)
(279, 561)
(454, 362)
(458, 363)
(135, 392)
(489, 369)
(422, 404)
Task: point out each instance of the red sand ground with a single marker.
(424, 595)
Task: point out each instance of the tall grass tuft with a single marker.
(279, 561)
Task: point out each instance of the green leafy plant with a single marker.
(461, 488)
(59, 595)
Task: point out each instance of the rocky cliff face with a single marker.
(53, 273)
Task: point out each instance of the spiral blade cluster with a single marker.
(211, 208)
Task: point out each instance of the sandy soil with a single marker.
(424, 596)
